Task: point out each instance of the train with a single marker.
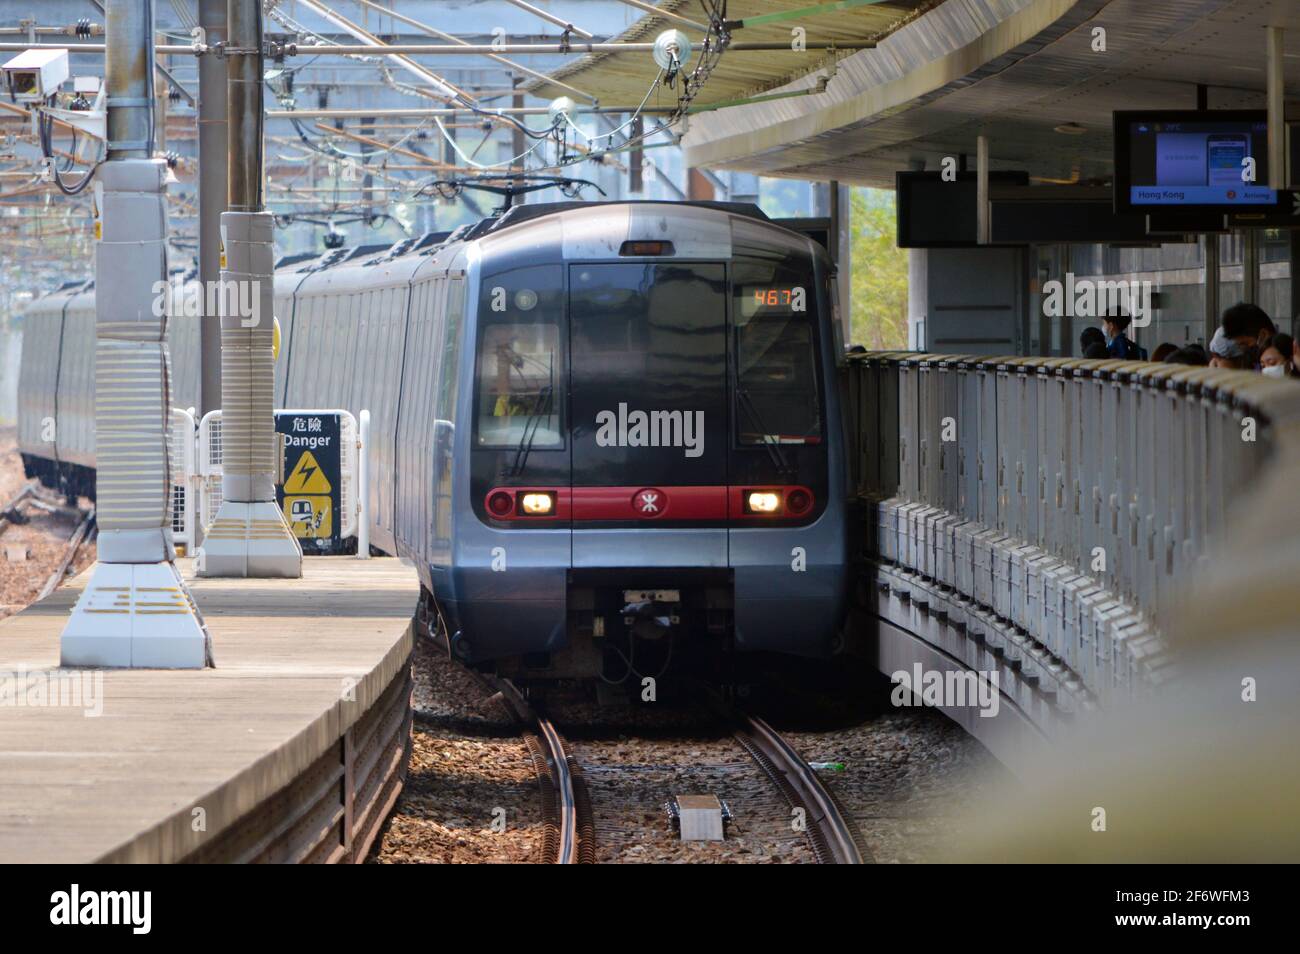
(609, 435)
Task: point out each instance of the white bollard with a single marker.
(363, 486)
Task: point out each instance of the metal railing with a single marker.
(184, 484)
(352, 502)
(1045, 516)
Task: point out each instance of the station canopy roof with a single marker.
(624, 78)
(1029, 74)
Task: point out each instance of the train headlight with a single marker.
(537, 505)
(763, 501)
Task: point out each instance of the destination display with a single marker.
(1191, 159)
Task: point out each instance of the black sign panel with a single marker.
(311, 495)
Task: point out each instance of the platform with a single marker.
(177, 760)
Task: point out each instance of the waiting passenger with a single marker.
(1228, 352)
(1192, 354)
(1248, 325)
(1276, 357)
(1117, 342)
(1087, 337)
(1163, 352)
(1096, 351)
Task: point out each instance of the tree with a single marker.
(879, 273)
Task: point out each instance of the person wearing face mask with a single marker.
(1276, 357)
(1118, 345)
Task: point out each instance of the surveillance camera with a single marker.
(35, 75)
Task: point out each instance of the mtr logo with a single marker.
(649, 502)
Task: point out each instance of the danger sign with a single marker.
(307, 477)
(313, 466)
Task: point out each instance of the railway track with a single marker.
(831, 835)
(85, 530)
(9, 513)
(568, 823)
(570, 827)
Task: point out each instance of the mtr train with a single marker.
(609, 435)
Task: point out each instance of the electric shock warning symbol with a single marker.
(307, 477)
(310, 516)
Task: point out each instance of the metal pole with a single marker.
(844, 257)
(509, 64)
(1250, 265)
(551, 18)
(244, 107)
(473, 49)
(213, 162)
(982, 190)
(1211, 285)
(249, 535)
(1276, 87)
(110, 625)
(128, 78)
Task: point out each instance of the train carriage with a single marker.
(609, 435)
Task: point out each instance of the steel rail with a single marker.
(558, 762)
(557, 769)
(69, 554)
(12, 507)
(833, 838)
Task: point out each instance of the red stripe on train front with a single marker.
(593, 504)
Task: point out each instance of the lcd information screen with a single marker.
(1191, 159)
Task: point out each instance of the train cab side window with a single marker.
(520, 371)
(777, 396)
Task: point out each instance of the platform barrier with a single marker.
(350, 504)
(1043, 518)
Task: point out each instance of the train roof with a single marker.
(519, 214)
(366, 255)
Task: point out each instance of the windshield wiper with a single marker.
(771, 443)
(541, 408)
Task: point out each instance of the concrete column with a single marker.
(136, 610)
(249, 535)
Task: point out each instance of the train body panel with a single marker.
(39, 374)
(658, 378)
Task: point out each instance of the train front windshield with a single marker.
(649, 373)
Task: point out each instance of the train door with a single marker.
(648, 373)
